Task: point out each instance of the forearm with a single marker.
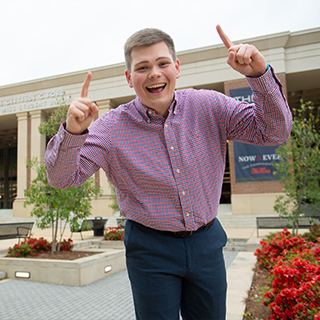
(268, 120)
(272, 107)
(64, 165)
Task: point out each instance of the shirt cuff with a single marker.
(266, 82)
(69, 140)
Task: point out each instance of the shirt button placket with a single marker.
(177, 170)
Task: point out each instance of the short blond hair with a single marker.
(147, 37)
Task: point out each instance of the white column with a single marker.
(22, 153)
(22, 172)
(38, 141)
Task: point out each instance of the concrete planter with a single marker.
(79, 272)
(114, 244)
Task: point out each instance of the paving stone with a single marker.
(109, 298)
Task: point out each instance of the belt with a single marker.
(182, 234)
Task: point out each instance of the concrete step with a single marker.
(6, 215)
(87, 248)
(236, 244)
(82, 244)
(241, 244)
(239, 220)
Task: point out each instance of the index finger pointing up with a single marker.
(85, 86)
(227, 42)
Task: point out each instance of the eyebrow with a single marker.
(146, 61)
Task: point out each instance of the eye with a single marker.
(141, 68)
(163, 64)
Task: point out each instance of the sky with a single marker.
(44, 38)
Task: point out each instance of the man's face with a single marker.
(153, 76)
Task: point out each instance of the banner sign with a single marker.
(253, 163)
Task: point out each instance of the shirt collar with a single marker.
(147, 113)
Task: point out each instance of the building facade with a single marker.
(295, 56)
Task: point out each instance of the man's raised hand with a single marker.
(244, 58)
(82, 110)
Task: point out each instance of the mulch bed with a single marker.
(66, 255)
(254, 307)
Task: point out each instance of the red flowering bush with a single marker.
(66, 245)
(313, 234)
(295, 292)
(34, 247)
(279, 246)
(114, 233)
(294, 265)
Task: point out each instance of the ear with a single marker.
(128, 77)
(177, 66)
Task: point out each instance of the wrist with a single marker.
(70, 130)
(260, 74)
(268, 67)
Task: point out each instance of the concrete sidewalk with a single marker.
(110, 298)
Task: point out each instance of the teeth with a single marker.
(156, 86)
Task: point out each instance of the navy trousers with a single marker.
(169, 275)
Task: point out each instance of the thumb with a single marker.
(94, 109)
(232, 59)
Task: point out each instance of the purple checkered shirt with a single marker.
(168, 172)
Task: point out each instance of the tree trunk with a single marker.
(53, 244)
(295, 228)
(54, 239)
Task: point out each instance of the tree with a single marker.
(53, 207)
(52, 125)
(299, 166)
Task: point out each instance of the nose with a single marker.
(155, 73)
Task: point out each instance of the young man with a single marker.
(164, 152)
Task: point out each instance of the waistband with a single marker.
(182, 234)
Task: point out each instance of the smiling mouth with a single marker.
(156, 88)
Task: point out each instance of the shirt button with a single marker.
(178, 170)
(150, 112)
(183, 193)
(174, 112)
(188, 214)
(148, 121)
(172, 147)
(61, 136)
(166, 125)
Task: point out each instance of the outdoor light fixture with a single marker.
(21, 274)
(107, 269)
